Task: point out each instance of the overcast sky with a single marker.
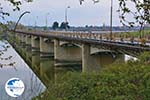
(78, 15)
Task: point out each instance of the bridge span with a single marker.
(90, 50)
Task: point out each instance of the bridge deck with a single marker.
(101, 42)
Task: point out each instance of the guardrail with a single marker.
(79, 38)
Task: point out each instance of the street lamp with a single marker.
(26, 12)
(36, 22)
(46, 22)
(111, 12)
(66, 16)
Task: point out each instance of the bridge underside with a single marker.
(98, 59)
(66, 54)
(122, 50)
(35, 43)
(46, 47)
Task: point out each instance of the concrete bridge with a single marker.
(69, 48)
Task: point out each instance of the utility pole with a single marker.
(46, 21)
(66, 16)
(36, 23)
(111, 12)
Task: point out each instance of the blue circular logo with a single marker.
(14, 87)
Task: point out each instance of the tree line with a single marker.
(63, 25)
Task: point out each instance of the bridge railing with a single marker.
(96, 36)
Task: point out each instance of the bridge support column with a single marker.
(56, 49)
(46, 47)
(28, 41)
(94, 62)
(17, 38)
(66, 55)
(20, 38)
(23, 41)
(86, 59)
(35, 43)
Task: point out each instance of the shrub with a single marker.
(128, 81)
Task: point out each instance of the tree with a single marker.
(55, 25)
(141, 14)
(86, 26)
(15, 6)
(64, 25)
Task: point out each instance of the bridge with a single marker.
(89, 49)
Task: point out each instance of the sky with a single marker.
(78, 15)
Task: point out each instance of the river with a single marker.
(18, 69)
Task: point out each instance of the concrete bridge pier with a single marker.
(35, 43)
(22, 40)
(95, 61)
(17, 38)
(28, 49)
(66, 55)
(28, 42)
(87, 64)
(46, 47)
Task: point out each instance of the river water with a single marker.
(18, 69)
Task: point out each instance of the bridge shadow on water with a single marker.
(44, 67)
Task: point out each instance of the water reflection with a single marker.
(19, 69)
(44, 67)
(47, 70)
(35, 62)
